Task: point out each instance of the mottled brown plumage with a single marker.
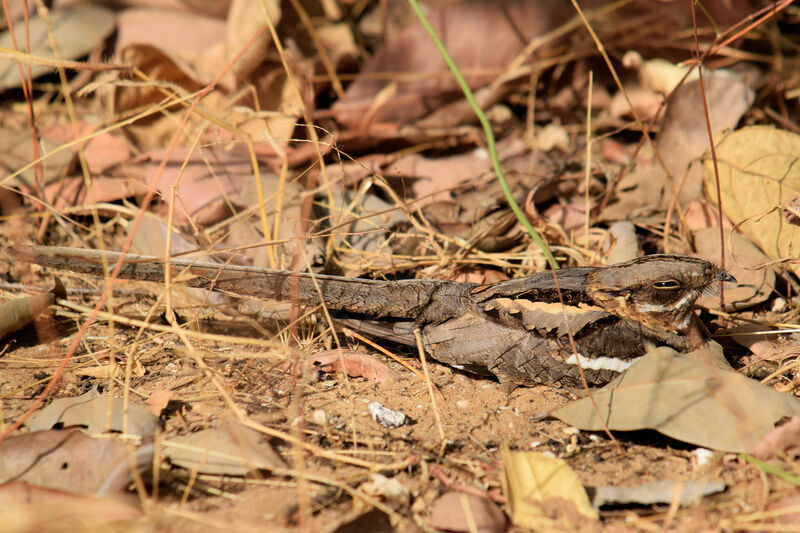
(518, 329)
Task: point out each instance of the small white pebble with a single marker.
(386, 417)
(536, 444)
(595, 438)
(572, 431)
(319, 417)
(702, 455)
(463, 404)
(778, 305)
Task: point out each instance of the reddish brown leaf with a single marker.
(69, 460)
(354, 364)
(450, 514)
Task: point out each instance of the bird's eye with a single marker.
(667, 284)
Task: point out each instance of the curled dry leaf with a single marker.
(695, 397)
(758, 174)
(458, 511)
(70, 460)
(354, 364)
(18, 313)
(98, 413)
(543, 493)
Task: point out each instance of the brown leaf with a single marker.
(72, 192)
(691, 397)
(765, 345)
(458, 511)
(786, 512)
(18, 313)
(700, 214)
(158, 401)
(97, 412)
(229, 448)
(684, 135)
(783, 439)
(512, 26)
(245, 18)
(40, 509)
(77, 30)
(69, 460)
(758, 174)
(101, 151)
(206, 182)
(354, 364)
(754, 282)
(543, 492)
(16, 151)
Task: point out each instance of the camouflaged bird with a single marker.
(532, 330)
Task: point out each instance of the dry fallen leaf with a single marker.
(229, 448)
(758, 174)
(543, 493)
(783, 439)
(753, 284)
(158, 401)
(70, 460)
(98, 413)
(77, 30)
(458, 511)
(684, 135)
(354, 364)
(764, 342)
(695, 397)
(511, 25)
(18, 313)
(25, 507)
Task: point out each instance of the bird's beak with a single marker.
(724, 276)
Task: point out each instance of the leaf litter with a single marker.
(263, 420)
